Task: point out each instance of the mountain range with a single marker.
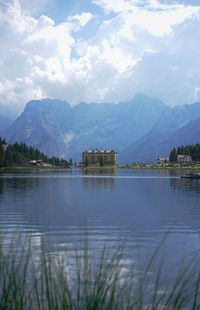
(140, 129)
(176, 126)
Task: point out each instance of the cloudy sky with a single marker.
(98, 50)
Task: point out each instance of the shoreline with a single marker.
(155, 167)
(24, 169)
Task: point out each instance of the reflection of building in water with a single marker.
(2, 187)
(99, 182)
(185, 185)
(99, 158)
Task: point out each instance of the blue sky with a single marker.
(59, 9)
(98, 51)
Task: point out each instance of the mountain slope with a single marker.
(188, 134)
(41, 125)
(58, 129)
(165, 134)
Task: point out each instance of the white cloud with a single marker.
(80, 19)
(197, 93)
(158, 19)
(142, 46)
(68, 137)
(12, 15)
(14, 92)
(117, 6)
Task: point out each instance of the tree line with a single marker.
(192, 150)
(19, 154)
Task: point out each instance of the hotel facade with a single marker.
(99, 158)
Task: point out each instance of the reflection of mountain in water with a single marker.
(137, 209)
(47, 204)
(56, 203)
(18, 185)
(23, 184)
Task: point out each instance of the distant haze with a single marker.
(141, 129)
(98, 51)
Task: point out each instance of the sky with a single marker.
(98, 51)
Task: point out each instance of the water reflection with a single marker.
(99, 180)
(21, 185)
(99, 171)
(2, 188)
(185, 185)
(139, 207)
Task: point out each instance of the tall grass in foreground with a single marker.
(45, 282)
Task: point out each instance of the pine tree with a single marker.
(178, 150)
(9, 157)
(2, 155)
(173, 155)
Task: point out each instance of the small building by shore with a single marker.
(163, 160)
(196, 159)
(184, 159)
(99, 158)
(39, 163)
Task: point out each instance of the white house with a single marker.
(162, 160)
(184, 159)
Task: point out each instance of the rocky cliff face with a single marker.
(176, 126)
(140, 130)
(58, 129)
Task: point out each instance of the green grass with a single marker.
(28, 169)
(159, 167)
(42, 281)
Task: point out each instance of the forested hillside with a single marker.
(20, 154)
(192, 150)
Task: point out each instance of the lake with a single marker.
(135, 207)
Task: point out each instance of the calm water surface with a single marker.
(138, 207)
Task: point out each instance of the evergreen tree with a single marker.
(2, 155)
(9, 156)
(20, 154)
(192, 150)
(179, 151)
(173, 155)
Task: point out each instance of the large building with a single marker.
(99, 158)
(184, 159)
